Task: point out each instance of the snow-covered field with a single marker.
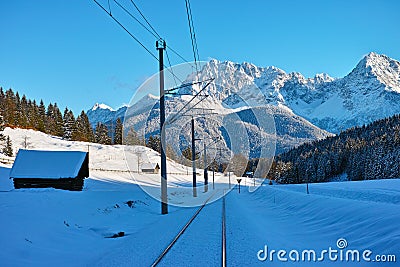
(48, 227)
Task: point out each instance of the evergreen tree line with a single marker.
(363, 153)
(24, 113)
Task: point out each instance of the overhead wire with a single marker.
(194, 32)
(155, 33)
(150, 29)
(175, 116)
(194, 48)
(170, 66)
(191, 34)
(134, 37)
(148, 23)
(109, 7)
(127, 31)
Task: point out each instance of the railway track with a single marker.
(198, 238)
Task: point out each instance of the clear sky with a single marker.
(72, 53)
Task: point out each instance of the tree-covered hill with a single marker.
(362, 153)
(17, 111)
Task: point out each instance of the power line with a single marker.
(191, 34)
(122, 26)
(194, 32)
(169, 63)
(175, 116)
(141, 24)
(148, 23)
(135, 38)
(176, 53)
(155, 33)
(109, 7)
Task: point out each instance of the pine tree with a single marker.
(2, 101)
(41, 117)
(118, 132)
(8, 150)
(83, 130)
(69, 124)
(50, 122)
(101, 135)
(23, 109)
(33, 115)
(2, 137)
(10, 107)
(58, 122)
(18, 111)
(154, 143)
(87, 127)
(78, 133)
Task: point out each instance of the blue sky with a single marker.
(72, 53)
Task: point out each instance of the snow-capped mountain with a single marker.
(369, 92)
(301, 106)
(105, 114)
(291, 130)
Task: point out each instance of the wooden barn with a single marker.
(57, 169)
(150, 167)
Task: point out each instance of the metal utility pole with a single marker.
(161, 46)
(205, 169)
(194, 160)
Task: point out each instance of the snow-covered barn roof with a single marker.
(47, 164)
(149, 166)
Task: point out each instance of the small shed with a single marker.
(150, 167)
(57, 169)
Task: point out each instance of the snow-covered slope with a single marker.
(107, 159)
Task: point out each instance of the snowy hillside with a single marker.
(48, 227)
(104, 160)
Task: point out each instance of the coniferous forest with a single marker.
(17, 111)
(362, 153)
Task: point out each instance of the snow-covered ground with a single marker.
(48, 227)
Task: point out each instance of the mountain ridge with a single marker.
(328, 103)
